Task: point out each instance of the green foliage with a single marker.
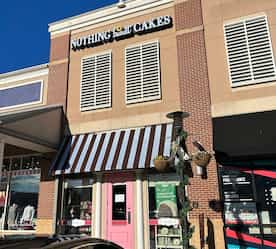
(184, 181)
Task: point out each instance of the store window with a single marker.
(249, 202)
(76, 216)
(19, 192)
(24, 94)
(96, 82)
(165, 229)
(142, 69)
(249, 50)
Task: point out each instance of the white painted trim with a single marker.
(22, 75)
(103, 15)
(98, 208)
(139, 212)
(244, 18)
(40, 101)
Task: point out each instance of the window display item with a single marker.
(28, 214)
(77, 207)
(168, 237)
(12, 215)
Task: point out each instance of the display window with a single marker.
(165, 229)
(19, 192)
(249, 198)
(76, 215)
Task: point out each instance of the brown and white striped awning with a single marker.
(126, 149)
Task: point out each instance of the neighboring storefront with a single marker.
(128, 69)
(30, 132)
(247, 174)
(20, 190)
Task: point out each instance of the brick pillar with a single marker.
(46, 201)
(57, 94)
(195, 99)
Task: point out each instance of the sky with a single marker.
(24, 37)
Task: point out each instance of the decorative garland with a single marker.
(180, 160)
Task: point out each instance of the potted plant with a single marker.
(201, 158)
(161, 163)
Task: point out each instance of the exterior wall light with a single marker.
(121, 4)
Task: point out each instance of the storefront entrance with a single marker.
(120, 207)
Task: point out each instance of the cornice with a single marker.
(104, 14)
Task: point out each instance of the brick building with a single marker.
(113, 76)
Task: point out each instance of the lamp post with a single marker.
(179, 152)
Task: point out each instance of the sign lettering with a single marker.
(120, 33)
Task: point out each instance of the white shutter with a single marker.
(142, 73)
(96, 82)
(250, 55)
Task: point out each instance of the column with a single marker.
(139, 212)
(2, 146)
(55, 205)
(98, 207)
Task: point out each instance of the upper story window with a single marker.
(249, 49)
(21, 95)
(142, 64)
(96, 82)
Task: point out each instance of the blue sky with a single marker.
(24, 37)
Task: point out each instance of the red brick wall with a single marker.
(58, 70)
(195, 99)
(59, 47)
(188, 14)
(57, 86)
(46, 191)
(57, 94)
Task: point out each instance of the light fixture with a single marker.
(177, 118)
(121, 4)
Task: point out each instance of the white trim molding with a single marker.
(139, 212)
(24, 74)
(98, 207)
(104, 14)
(37, 102)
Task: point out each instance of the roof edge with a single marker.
(25, 73)
(103, 14)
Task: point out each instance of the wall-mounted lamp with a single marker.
(121, 4)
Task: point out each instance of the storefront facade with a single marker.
(240, 44)
(115, 73)
(25, 153)
(126, 69)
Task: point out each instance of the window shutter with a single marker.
(96, 82)
(143, 73)
(249, 50)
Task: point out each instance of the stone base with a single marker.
(44, 227)
(213, 234)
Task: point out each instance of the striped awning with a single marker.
(125, 149)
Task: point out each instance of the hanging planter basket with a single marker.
(202, 158)
(161, 163)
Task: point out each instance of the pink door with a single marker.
(120, 221)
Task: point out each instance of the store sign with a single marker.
(166, 202)
(236, 185)
(122, 32)
(241, 213)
